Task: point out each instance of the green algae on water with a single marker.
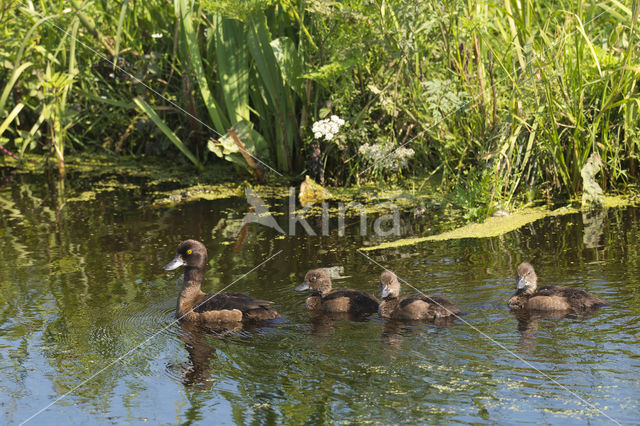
(496, 226)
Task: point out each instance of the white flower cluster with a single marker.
(386, 158)
(327, 128)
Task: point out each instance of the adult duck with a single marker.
(195, 305)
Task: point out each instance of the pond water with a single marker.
(87, 333)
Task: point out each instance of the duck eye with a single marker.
(189, 251)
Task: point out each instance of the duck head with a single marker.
(389, 285)
(527, 280)
(190, 253)
(316, 280)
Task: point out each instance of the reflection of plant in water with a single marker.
(85, 288)
(51, 271)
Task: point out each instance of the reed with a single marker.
(503, 101)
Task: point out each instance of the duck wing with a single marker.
(551, 290)
(575, 297)
(360, 301)
(242, 302)
(352, 294)
(252, 309)
(440, 304)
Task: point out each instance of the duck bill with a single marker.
(175, 263)
(384, 292)
(302, 287)
(520, 283)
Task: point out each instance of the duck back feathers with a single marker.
(347, 300)
(552, 298)
(418, 308)
(549, 298)
(324, 299)
(412, 308)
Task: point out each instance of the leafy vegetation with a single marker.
(500, 102)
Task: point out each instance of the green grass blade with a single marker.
(186, 20)
(92, 97)
(32, 133)
(27, 37)
(232, 57)
(290, 63)
(12, 81)
(14, 112)
(589, 45)
(259, 40)
(620, 6)
(118, 37)
(146, 108)
(73, 70)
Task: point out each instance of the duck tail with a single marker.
(261, 314)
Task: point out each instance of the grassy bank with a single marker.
(501, 103)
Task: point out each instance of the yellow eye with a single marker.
(189, 251)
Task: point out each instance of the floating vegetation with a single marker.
(497, 225)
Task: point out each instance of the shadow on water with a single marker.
(81, 291)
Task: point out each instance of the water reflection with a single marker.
(529, 323)
(322, 323)
(394, 332)
(201, 353)
(80, 286)
(593, 221)
(6, 180)
(198, 342)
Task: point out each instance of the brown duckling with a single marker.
(194, 305)
(342, 300)
(549, 298)
(412, 308)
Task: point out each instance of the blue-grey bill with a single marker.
(175, 263)
(384, 292)
(302, 287)
(520, 283)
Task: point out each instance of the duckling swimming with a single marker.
(549, 298)
(412, 308)
(342, 300)
(194, 305)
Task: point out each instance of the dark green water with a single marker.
(86, 315)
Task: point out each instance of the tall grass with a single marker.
(571, 101)
(512, 97)
(504, 101)
(52, 67)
